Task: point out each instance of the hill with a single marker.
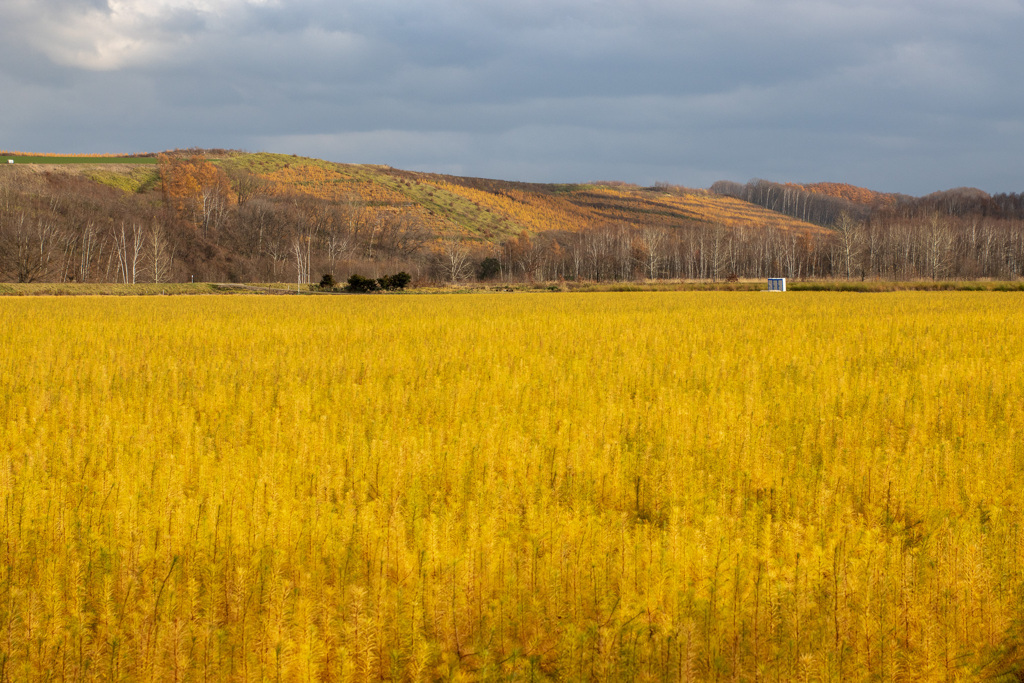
(494, 210)
(221, 215)
(476, 208)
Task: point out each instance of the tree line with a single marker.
(207, 224)
(890, 247)
(825, 210)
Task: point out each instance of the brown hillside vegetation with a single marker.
(218, 215)
(491, 210)
(851, 193)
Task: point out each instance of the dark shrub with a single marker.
(327, 282)
(397, 281)
(489, 269)
(358, 283)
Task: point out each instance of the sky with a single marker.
(910, 96)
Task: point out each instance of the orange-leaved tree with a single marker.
(199, 190)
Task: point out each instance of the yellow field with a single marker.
(649, 486)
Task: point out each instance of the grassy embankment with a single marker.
(148, 289)
(112, 289)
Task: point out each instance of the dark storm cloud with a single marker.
(909, 96)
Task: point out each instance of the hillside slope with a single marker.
(494, 210)
(483, 210)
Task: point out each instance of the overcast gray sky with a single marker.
(897, 95)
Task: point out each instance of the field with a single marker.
(708, 486)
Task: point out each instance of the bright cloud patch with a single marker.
(120, 33)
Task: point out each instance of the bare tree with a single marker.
(400, 235)
(160, 254)
(277, 247)
(938, 243)
(849, 234)
(128, 246)
(454, 259)
(302, 250)
(576, 254)
(27, 246)
(212, 205)
(716, 251)
(652, 240)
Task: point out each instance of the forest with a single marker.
(222, 216)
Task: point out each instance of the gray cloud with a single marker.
(903, 95)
